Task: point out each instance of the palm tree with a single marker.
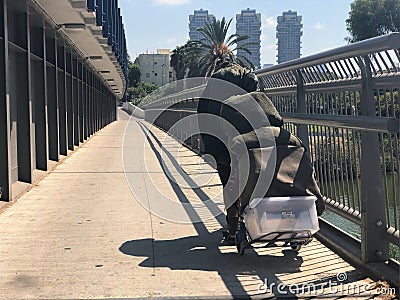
(215, 50)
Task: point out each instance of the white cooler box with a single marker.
(280, 214)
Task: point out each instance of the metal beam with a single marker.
(62, 97)
(96, 105)
(39, 94)
(75, 98)
(5, 153)
(25, 132)
(70, 109)
(85, 103)
(90, 106)
(52, 96)
(80, 100)
(88, 101)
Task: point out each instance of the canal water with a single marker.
(355, 230)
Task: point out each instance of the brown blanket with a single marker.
(258, 176)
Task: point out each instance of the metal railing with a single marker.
(344, 105)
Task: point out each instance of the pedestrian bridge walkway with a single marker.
(81, 232)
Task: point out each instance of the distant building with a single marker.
(248, 23)
(267, 65)
(155, 67)
(198, 20)
(288, 33)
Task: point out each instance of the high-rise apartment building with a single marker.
(248, 23)
(288, 33)
(198, 20)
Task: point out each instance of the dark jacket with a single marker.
(230, 81)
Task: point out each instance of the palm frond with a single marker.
(236, 39)
(214, 50)
(243, 49)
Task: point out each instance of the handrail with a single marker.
(377, 44)
(344, 105)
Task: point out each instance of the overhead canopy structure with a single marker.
(63, 68)
(95, 28)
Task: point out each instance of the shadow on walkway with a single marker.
(201, 252)
(242, 276)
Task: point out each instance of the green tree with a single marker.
(216, 50)
(136, 89)
(178, 61)
(133, 74)
(371, 18)
(136, 94)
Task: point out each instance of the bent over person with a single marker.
(262, 136)
(229, 81)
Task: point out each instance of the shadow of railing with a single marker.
(243, 276)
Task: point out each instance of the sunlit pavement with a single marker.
(81, 233)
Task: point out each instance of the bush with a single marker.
(136, 94)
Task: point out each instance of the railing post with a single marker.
(374, 247)
(302, 129)
(261, 85)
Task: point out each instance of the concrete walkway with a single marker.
(81, 233)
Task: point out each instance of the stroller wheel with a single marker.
(295, 246)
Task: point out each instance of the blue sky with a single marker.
(153, 24)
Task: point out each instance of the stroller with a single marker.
(278, 222)
(279, 198)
